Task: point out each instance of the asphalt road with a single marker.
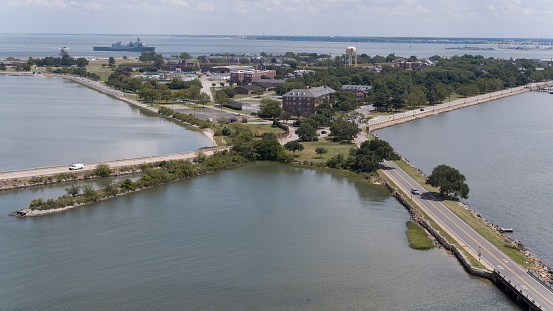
(491, 257)
(47, 171)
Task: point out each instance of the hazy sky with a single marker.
(411, 18)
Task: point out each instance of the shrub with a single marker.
(128, 185)
(102, 170)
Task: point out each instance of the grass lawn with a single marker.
(259, 129)
(334, 149)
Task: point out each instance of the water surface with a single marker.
(48, 121)
(267, 237)
(504, 149)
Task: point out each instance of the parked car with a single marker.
(76, 166)
(415, 191)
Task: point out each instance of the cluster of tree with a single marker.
(269, 108)
(394, 88)
(265, 149)
(157, 59)
(366, 159)
(74, 71)
(179, 84)
(64, 60)
(184, 117)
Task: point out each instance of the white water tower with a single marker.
(351, 51)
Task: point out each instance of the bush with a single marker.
(102, 170)
(128, 185)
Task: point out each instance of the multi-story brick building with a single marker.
(305, 100)
(360, 91)
(250, 76)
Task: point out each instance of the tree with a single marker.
(111, 61)
(416, 96)
(73, 190)
(306, 131)
(203, 98)
(285, 115)
(166, 95)
(269, 108)
(342, 129)
(82, 62)
(185, 55)
(369, 155)
(320, 151)
(293, 146)
(2, 67)
(221, 98)
(449, 181)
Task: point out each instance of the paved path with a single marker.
(492, 258)
(46, 171)
(383, 121)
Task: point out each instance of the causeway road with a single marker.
(46, 171)
(491, 257)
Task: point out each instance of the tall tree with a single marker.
(449, 181)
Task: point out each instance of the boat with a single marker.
(137, 46)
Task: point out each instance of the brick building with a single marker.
(360, 91)
(305, 100)
(250, 76)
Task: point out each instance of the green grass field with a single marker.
(334, 148)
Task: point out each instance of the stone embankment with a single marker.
(419, 218)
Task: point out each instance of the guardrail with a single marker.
(539, 279)
(518, 291)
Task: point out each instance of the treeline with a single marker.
(65, 64)
(394, 88)
(184, 117)
(152, 89)
(64, 60)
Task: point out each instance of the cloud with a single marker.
(205, 6)
(49, 4)
(176, 3)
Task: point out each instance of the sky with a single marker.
(373, 18)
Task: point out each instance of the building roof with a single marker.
(314, 92)
(265, 84)
(251, 87)
(363, 88)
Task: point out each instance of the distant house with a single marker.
(247, 89)
(250, 76)
(266, 85)
(360, 91)
(305, 100)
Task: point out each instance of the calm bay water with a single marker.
(263, 237)
(504, 149)
(42, 45)
(46, 121)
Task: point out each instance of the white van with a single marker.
(76, 166)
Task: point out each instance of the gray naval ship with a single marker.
(137, 46)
